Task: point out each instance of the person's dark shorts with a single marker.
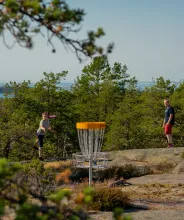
(168, 129)
(40, 140)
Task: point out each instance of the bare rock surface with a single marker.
(172, 159)
(165, 178)
(144, 215)
(157, 196)
(158, 215)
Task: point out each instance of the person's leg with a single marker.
(40, 151)
(168, 133)
(169, 138)
(36, 145)
(36, 142)
(40, 143)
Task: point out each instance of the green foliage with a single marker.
(34, 174)
(22, 18)
(88, 195)
(125, 130)
(21, 113)
(118, 214)
(101, 93)
(14, 194)
(28, 211)
(2, 207)
(97, 91)
(7, 171)
(137, 121)
(59, 195)
(177, 99)
(106, 199)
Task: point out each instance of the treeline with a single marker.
(101, 93)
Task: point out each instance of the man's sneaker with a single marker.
(41, 158)
(170, 145)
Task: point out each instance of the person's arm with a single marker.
(171, 113)
(43, 128)
(51, 130)
(163, 124)
(170, 118)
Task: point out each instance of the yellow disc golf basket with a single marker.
(90, 137)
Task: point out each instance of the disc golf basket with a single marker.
(90, 136)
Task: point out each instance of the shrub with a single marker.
(37, 178)
(79, 174)
(165, 166)
(106, 199)
(51, 206)
(58, 205)
(127, 171)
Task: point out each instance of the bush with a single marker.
(164, 166)
(37, 178)
(51, 206)
(106, 199)
(79, 174)
(127, 171)
(56, 206)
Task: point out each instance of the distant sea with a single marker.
(67, 85)
(64, 85)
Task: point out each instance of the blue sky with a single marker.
(148, 37)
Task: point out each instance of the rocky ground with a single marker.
(159, 196)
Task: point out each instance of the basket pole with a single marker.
(90, 126)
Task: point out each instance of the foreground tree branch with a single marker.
(24, 19)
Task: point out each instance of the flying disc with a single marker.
(52, 116)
